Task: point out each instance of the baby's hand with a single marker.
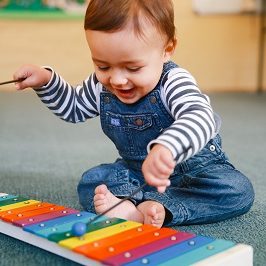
(158, 166)
(33, 76)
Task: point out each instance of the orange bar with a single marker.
(32, 213)
(124, 241)
(24, 209)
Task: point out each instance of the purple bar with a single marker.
(141, 251)
(44, 217)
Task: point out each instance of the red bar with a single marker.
(141, 251)
(19, 213)
(111, 246)
(45, 217)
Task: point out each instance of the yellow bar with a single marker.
(74, 242)
(18, 205)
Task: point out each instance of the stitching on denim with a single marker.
(220, 214)
(170, 206)
(182, 209)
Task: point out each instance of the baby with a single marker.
(163, 127)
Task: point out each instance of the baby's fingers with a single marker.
(161, 189)
(22, 78)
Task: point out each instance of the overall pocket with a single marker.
(131, 133)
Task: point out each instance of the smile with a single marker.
(125, 93)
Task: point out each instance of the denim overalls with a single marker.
(205, 188)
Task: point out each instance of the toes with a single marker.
(153, 213)
(98, 200)
(98, 197)
(101, 189)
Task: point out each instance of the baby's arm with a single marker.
(158, 166)
(194, 125)
(72, 104)
(34, 77)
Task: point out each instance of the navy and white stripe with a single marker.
(71, 104)
(194, 123)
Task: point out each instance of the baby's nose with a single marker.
(118, 79)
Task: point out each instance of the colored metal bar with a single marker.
(145, 250)
(17, 205)
(44, 217)
(74, 242)
(201, 253)
(65, 231)
(123, 242)
(24, 212)
(12, 201)
(5, 197)
(58, 221)
(171, 252)
(32, 213)
(31, 205)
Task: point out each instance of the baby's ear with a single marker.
(169, 49)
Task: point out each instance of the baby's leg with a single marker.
(153, 212)
(210, 190)
(104, 199)
(116, 176)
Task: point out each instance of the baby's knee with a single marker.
(243, 195)
(86, 186)
(93, 175)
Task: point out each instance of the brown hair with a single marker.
(113, 15)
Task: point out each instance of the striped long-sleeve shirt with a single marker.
(194, 124)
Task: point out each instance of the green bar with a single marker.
(12, 201)
(91, 227)
(6, 197)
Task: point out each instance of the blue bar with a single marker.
(201, 253)
(35, 228)
(64, 228)
(172, 252)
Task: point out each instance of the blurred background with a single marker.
(219, 41)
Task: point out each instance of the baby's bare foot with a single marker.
(104, 199)
(153, 212)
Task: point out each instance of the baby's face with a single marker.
(128, 65)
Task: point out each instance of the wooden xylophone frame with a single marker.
(238, 254)
(18, 233)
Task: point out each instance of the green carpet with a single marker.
(42, 157)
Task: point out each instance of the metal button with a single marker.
(139, 122)
(191, 242)
(212, 148)
(145, 261)
(210, 247)
(106, 99)
(153, 99)
(111, 249)
(127, 255)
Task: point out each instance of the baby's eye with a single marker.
(103, 68)
(133, 69)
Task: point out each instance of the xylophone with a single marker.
(112, 241)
